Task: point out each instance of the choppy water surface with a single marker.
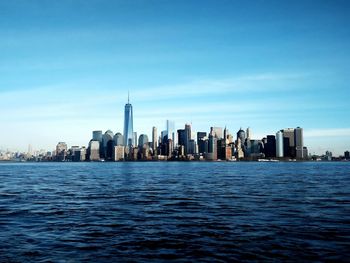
(72, 212)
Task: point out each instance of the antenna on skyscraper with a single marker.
(128, 97)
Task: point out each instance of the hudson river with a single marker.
(189, 211)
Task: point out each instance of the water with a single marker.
(157, 211)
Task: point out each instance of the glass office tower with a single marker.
(128, 125)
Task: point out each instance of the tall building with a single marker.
(241, 135)
(97, 136)
(212, 148)
(201, 142)
(164, 136)
(134, 142)
(216, 132)
(30, 150)
(154, 139)
(181, 137)
(94, 150)
(288, 142)
(299, 144)
(128, 125)
(118, 153)
(270, 146)
(187, 138)
(61, 151)
(249, 133)
(108, 144)
(347, 155)
(143, 139)
(239, 150)
(170, 130)
(192, 147)
(118, 139)
(279, 144)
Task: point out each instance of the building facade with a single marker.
(129, 139)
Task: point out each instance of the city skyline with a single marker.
(264, 65)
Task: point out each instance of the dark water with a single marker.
(106, 212)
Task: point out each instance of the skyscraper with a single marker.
(108, 144)
(249, 134)
(170, 129)
(187, 138)
(143, 139)
(270, 146)
(299, 144)
(154, 139)
(128, 125)
(97, 136)
(288, 142)
(241, 135)
(216, 132)
(201, 137)
(181, 138)
(279, 144)
(118, 139)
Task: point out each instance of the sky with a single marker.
(66, 68)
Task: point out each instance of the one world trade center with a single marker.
(128, 125)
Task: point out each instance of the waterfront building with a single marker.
(107, 144)
(241, 135)
(170, 148)
(78, 154)
(94, 150)
(128, 125)
(118, 153)
(30, 150)
(299, 144)
(181, 137)
(270, 146)
(143, 139)
(221, 149)
(253, 148)
(154, 140)
(192, 147)
(347, 155)
(181, 151)
(328, 156)
(134, 142)
(305, 152)
(246, 147)
(279, 144)
(187, 138)
(249, 134)
(118, 139)
(216, 132)
(164, 136)
(212, 148)
(170, 130)
(239, 150)
(230, 138)
(228, 152)
(134, 154)
(145, 153)
(72, 153)
(289, 142)
(61, 151)
(201, 138)
(97, 136)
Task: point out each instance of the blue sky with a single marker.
(66, 68)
